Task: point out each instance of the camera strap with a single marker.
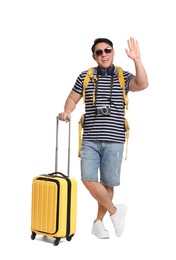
(96, 89)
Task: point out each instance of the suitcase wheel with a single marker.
(33, 235)
(69, 238)
(56, 241)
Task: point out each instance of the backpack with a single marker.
(86, 80)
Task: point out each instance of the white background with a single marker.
(44, 45)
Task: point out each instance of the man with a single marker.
(104, 128)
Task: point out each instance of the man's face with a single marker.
(103, 54)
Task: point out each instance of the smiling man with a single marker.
(100, 48)
(104, 129)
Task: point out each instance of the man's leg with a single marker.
(101, 209)
(103, 196)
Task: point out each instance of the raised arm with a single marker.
(140, 81)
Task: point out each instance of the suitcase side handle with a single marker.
(56, 150)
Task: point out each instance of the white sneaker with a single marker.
(99, 230)
(118, 219)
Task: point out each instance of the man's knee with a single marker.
(88, 184)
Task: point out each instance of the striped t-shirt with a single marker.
(108, 92)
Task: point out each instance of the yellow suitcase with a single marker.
(54, 203)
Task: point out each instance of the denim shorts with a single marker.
(101, 161)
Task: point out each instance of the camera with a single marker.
(105, 110)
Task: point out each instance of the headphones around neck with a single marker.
(109, 71)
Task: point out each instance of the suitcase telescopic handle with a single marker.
(56, 151)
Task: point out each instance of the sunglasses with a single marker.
(100, 52)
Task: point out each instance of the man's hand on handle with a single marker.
(64, 116)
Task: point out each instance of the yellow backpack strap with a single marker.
(86, 81)
(120, 76)
(80, 127)
(89, 75)
(122, 84)
(125, 97)
(127, 128)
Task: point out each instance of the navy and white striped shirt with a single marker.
(104, 127)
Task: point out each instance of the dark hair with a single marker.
(98, 40)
